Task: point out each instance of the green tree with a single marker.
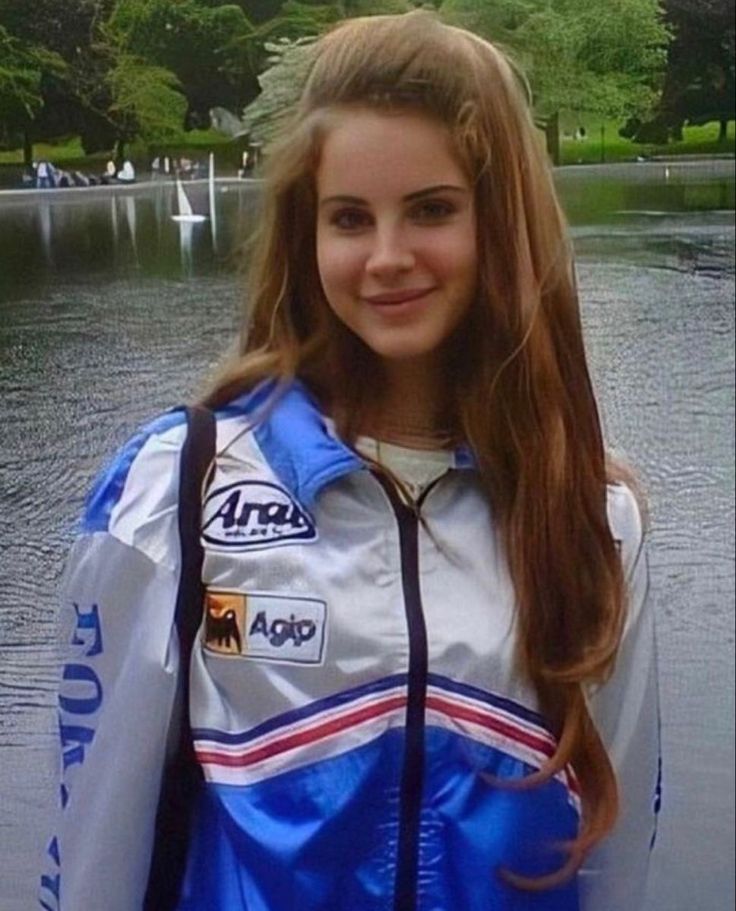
(319, 15)
(700, 84)
(205, 46)
(602, 56)
(21, 70)
(377, 7)
(260, 10)
(146, 100)
(283, 45)
(281, 85)
(62, 26)
(58, 34)
(296, 20)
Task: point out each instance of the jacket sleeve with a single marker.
(626, 712)
(118, 684)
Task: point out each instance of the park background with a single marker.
(109, 312)
(82, 80)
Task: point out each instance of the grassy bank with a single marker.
(602, 143)
(68, 153)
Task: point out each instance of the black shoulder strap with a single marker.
(182, 776)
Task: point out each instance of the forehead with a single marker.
(370, 154)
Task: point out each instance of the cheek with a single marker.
(457, 258)
(339, 265)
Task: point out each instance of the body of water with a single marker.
(110, 312)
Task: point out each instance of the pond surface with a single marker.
(110, 311)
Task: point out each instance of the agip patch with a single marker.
(265, 627)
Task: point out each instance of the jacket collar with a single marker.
(298, 442)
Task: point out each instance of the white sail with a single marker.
(185, 207)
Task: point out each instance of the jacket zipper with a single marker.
(412, 776)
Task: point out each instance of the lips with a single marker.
(398, 297)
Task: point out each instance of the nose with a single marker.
(391, 252)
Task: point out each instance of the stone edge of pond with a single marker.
(100, 192)
(713, 166)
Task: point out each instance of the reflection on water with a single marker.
(186, 233)
(44, 220)
(675, 217)
(129, 203)
(601, 195)
(213, 221)
(116, 231)
(111, 311)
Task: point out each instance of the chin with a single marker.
(402, 346)
(398, 353)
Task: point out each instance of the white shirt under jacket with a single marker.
(354, 702)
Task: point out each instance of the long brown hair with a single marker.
(523, 397)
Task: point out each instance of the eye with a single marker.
(350, 219)
(433, 210)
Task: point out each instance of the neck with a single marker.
(412, 411)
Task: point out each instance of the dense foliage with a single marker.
(598, 56)
(699, 86)
(112, 71)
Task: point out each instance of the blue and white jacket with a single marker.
(354, 699)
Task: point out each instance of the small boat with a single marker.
(186, 212)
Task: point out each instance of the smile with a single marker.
(398, 297)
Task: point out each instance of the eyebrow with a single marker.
(410, 197)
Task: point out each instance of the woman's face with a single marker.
(396, 232)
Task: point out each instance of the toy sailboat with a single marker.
(186, 212)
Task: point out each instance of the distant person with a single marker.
(244, 164)
(126, 174)
(45, 175)
(28, 178)
(109, 175)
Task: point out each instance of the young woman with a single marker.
(425, 676)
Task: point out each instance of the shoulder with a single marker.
(135, 497)
(141, 479)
